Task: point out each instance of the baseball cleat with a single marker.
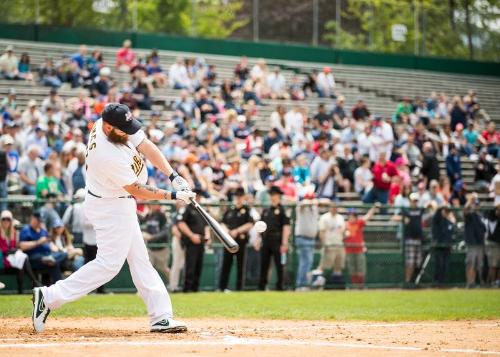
(169, 326)
(40, 310)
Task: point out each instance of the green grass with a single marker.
(379, 305)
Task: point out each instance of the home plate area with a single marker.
(120, 336)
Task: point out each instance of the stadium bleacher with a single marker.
(380, 88)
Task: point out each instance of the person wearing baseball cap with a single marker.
(274, 239)
(116, 174)
(9, 64)
(120, 117)
(34, 241)
(238, 221)
(413, 235)
(195, 232)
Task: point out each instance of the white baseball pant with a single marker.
(118, 238)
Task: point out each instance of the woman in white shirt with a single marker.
(363, 177)
(278, 120)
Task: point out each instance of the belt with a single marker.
(93, 194)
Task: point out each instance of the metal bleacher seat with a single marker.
(381, 88)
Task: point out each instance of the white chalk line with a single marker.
(347, 325)
(237, 341)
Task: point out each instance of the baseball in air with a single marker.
(260, 226)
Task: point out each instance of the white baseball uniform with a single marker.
(113, 216)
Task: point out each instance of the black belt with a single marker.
(93, 194)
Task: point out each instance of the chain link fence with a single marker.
(386, 257)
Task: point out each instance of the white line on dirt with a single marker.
(231, 340)
(341, 325)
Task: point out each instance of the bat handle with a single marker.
(193, 202)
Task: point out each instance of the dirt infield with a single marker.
(232, 337)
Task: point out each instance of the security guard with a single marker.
(195, 232)
(238, 221)
(275, 238)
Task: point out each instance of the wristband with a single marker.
(173, 194)
(173, 175)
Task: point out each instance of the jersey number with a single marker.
(137, 165)
(91, 145)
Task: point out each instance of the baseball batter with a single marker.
(116, 173)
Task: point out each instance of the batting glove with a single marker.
(178, 182)
(184, 196)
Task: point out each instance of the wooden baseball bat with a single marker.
(226, 240)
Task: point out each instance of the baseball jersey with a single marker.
(112, 166)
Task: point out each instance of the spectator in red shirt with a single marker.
(354, 243)
(382, 171)
(125, 57)
(492, 138)
(403, 178)
(395, 189)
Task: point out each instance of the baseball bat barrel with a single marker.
(226, 240)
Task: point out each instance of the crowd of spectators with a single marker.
(210, 136)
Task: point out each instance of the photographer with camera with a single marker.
(329, 182)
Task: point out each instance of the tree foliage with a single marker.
(215, 18)
(443, 27)
(212, 18)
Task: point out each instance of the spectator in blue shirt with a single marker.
(271, 138)
(453, 166)
(24, 68)
(80, 57)
(34, 241)
(186, 107)
(206, 104)
(302, 172)
(473, 137)
(94, 63)
(12, 154)
(432, 103)
(458, 113)
(241, 131)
